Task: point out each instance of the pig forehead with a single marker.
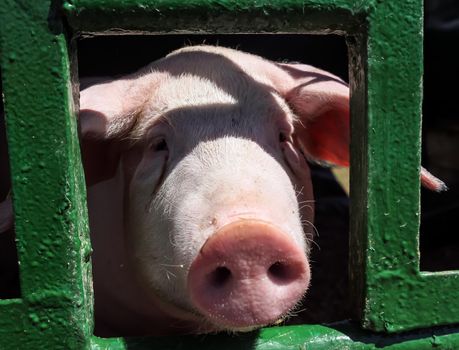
(188, 100)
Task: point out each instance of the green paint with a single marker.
(392, 295)
(340, 336)
(385, 44)
(211, 16)
(55, 310)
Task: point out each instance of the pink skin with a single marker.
(198, 161)
(431, 182)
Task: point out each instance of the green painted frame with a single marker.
(48, 185)
(385, 45)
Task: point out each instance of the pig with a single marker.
(199, 194)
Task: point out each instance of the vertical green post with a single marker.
(55, 310)
(394, 78)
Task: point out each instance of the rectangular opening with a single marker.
(439, 239)
(115, 56)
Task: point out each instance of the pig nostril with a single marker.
(219, 277)
(281, 272)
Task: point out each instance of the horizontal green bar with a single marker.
(339, 336)
(11, 313)
(215, 16)
(24, 325)
(18, 328)
(400, 303)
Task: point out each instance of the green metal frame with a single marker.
(385, 45)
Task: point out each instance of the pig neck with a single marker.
(121, 306)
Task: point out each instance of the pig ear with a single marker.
(320, 100)
(431, 182)
(108, 111)
(108, 108)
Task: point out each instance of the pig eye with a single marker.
(282, 137)
(160, 145)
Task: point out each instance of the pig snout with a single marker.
(248, 274)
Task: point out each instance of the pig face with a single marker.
(208, 167)
(217, 198)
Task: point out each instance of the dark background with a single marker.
(440, 153)
(328, 298)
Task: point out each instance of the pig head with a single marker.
(205, 156)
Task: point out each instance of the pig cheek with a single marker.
(130, 162)
(302, 181)
(149, 172)
(142, 232)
